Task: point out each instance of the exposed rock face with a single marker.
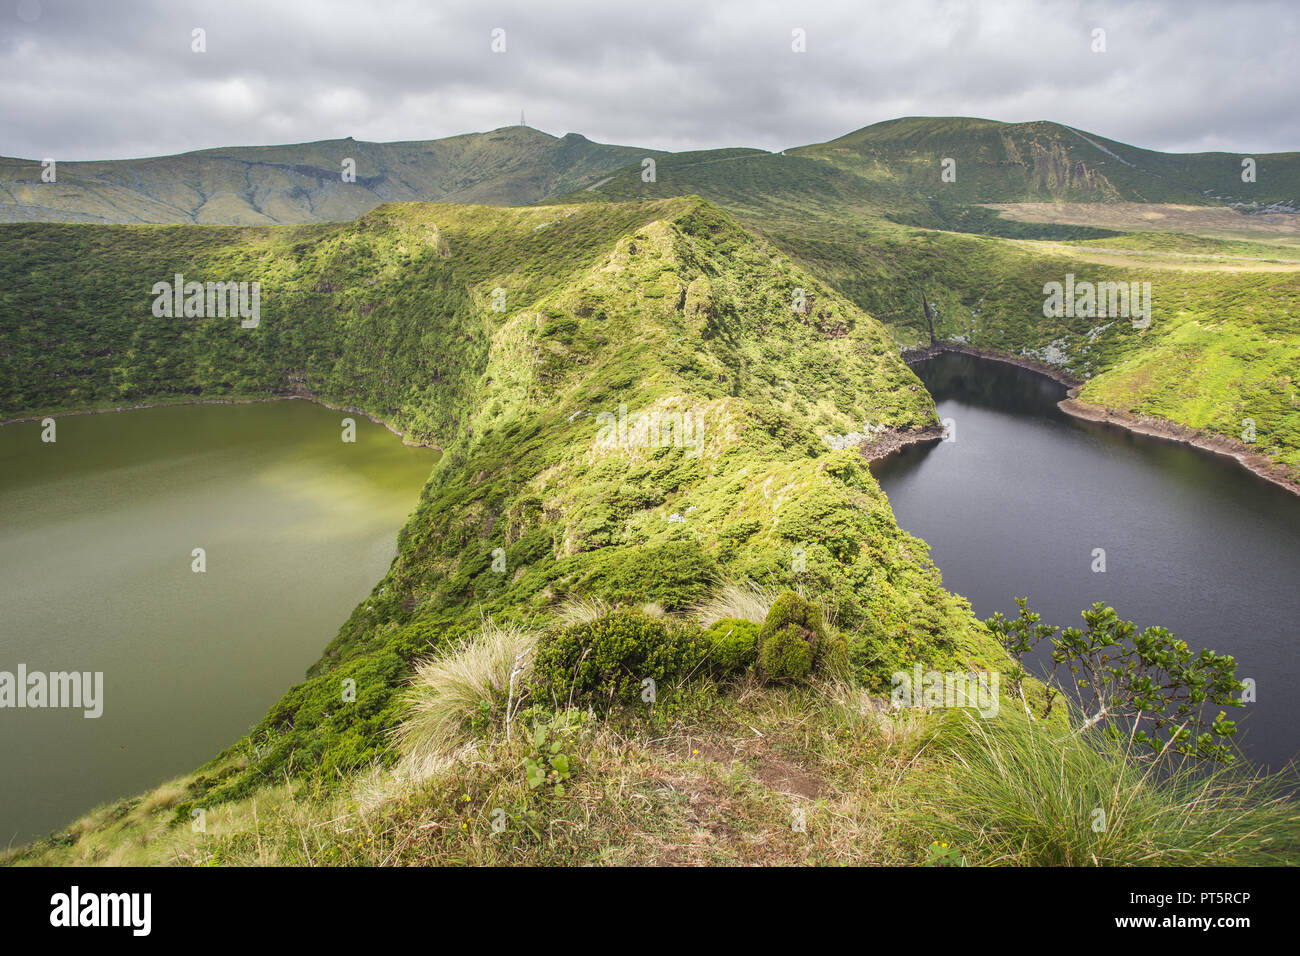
(890, 441)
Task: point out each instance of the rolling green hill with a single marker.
(1042, 161)
(888, 169)
(302, 183)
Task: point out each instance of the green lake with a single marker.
(97, 534)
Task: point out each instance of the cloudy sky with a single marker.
(87, 79)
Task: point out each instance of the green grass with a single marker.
(668, 306)
(1016, 792)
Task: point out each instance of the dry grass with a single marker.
(741, 599)
(479, 679)
(581, 610)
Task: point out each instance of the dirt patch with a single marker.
(783, 776)
(776, 773)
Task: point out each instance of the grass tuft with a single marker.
(466, 688)
(1021, 792)
(740, 599)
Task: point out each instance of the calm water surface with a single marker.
(96, 535)
(1017, 503)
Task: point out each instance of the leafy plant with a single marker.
(607, 661)
(547, 765)
(1145, 684)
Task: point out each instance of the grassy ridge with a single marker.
(300, 183)
(665, 306)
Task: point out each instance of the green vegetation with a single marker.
(622, 658)
(301, 183)
(794, 642)
(638, 403)
(1043, 161)
(1144, 686)
(732, 646)
(821, 772)
(1013, 791)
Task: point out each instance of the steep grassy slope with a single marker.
(303, 182)
(610, 311)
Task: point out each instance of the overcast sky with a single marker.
(89, 79)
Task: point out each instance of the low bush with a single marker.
(606, 661)
(794, 642)
(732, 646)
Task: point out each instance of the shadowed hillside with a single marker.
(301, 183)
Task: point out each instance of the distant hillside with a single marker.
(891, 169)
(262, 185)
(1042, 161)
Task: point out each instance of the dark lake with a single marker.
(1019, 501)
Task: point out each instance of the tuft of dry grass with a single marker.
(581, 610)
(479, 679)
(741, 599)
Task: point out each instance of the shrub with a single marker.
(466, 689)
(732, 646)
(603, 662)
(794, 641)
(1146, 685)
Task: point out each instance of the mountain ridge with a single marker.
(897, 163)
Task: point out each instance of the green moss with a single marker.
(609, 661)
(732, 646)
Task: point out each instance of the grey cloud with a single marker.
(90, 80)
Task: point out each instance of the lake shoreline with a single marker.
(892, 441)
(1056, 374)
(405, 439)
(1222, 445)
(1245, 455)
